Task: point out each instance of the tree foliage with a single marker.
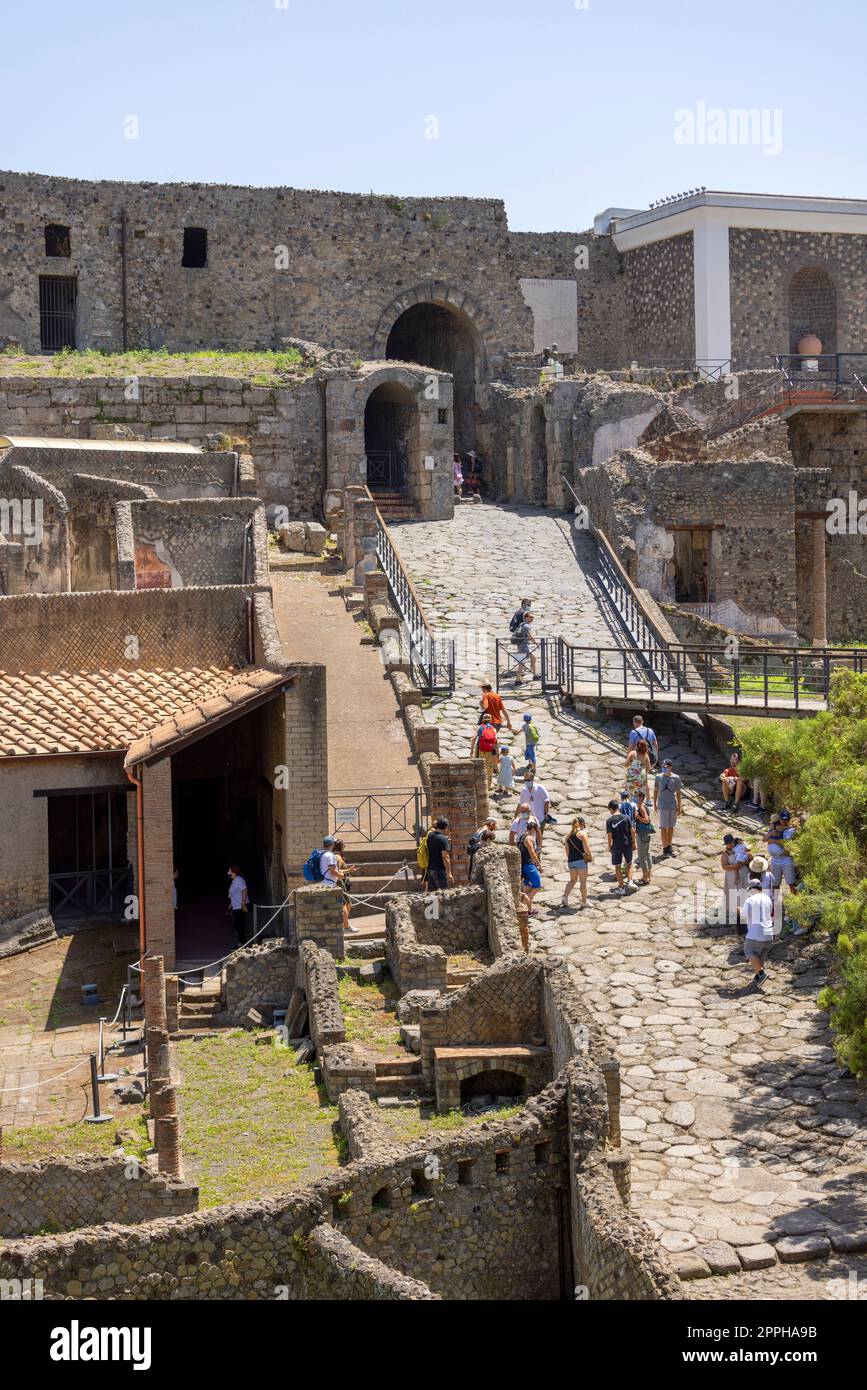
(818, 767)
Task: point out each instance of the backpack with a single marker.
(517, 620)
(422, 854)
(312, 871)
(532, 734)
(487, 739)
(521, 635)
(474, 844)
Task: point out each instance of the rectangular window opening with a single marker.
(195, 255)
(57, 240)
(501, 1161)
(465, 1172)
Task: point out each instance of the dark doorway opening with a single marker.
(88, 856)
(434, 335)
(58, 295)
(195, 252)
(57, 240)
(692, 565)
(388, 424)
(493, 1083)
(217, 820)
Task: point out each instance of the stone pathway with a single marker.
(748, 1144)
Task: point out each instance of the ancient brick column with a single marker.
(172, 1003)
(820, 586)
(154, 986)
(167, 1135)
(457, 791)
(163, 1099)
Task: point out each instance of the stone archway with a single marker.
(390, 437)
(813, 308)
(435, 326)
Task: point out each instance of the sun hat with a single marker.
(758, 865)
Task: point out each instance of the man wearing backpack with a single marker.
(525, 648)
(518, 617)
(438, 871)
(640, 731)
(485, 835)
(486, 746)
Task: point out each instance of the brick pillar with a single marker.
(303, 808)
(162, 1099)
(159, 861)
(319, 918)
(167, 1136)
(172, 1003)
(820, 589)
(454, 793)
(154, 986)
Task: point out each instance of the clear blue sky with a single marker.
(560, 111)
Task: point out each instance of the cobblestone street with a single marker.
(747, 1141)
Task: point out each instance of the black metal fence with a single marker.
(431, 659)
(89, 892)
(378, 814)
(386, 470)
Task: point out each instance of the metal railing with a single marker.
(431, 659)
(764, 679)
(89, 892)
(386, 469)
(378, 814)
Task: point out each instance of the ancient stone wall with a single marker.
(281, 262)
(60, 1194)
(660, 300)
(504, 1005)
(262, 974)
(763, 265)
(602, 323)
(202, 542)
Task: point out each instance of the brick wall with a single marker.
(159, 861)
(660, 301)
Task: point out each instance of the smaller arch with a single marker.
(813, 307)
(484, 1080)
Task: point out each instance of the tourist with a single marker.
(628, 807)
(734, 788)
(485, 835)
(778, 841)
(238, 899)
(578, 856)
(531, 740)
(458, 475)
(734, 862)
(758, 913)
(525, 649)
(638, 768)
(438, 874)
(641, 731)
(642, 823)
(518, 616)
(492, 704)
(531, 865)
(760, 868)
(506, 774)
(621, 844)
(335, 873)
(520, 823)
(485, 746)
(539, 801)
(668, 804)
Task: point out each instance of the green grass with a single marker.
(368, 1013)
(34, 1142)
(253, 1123)
(258, 368)
(406, 1125)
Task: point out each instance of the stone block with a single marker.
(760, 1256)
(799, 1249)
(293, 536)
(316, 538)
(691, 1266)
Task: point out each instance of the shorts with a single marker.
(436, 880)
(621, 854)
(576, 865)
(667, 817)
(531, 876)
(758, 949)
(530, 753)
(783, 867)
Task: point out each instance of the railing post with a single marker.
(795, 672)
(599, 669)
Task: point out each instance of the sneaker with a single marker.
(800, 931)
(760, 978)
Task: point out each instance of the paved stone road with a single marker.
(744, 1133)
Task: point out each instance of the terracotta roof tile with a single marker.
(106, 711)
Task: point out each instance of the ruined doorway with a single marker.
(58, 296)
(389, 417)
(493, 1083)
(442, 337)
(692, 565)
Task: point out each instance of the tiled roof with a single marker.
(106, 711)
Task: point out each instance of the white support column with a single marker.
(713, 314)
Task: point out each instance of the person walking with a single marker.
(758, 912)
(667, 804)
(539, 800)
(621, 844)
(578, 857)
(438, 874)
(525, 649)
(485, 745)
(492, 704)
(761, 869)
(642, 823)
(238, 898)
(638, 768)
(641, 731)
(531, 740)
(531, 865)
(485, 835)
(520, 823)
(518, 616)
(506, 773)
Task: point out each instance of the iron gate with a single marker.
(58, 295)
(378, 814)
(386, 470)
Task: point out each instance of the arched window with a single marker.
(813, 308)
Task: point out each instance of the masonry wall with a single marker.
(346, 258)
(262, 974)
(282, 426)
(203, 543)
(63, 1193)
(660, 301)
(90, 632)
(24, 821)
(602, 323)
(762, 266)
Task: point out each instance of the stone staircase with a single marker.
(375, 880)
(200, 1004)
(394, 506)
(400, 1079)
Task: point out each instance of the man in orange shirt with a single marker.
(492, 704)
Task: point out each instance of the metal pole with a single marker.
(97, 1118)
